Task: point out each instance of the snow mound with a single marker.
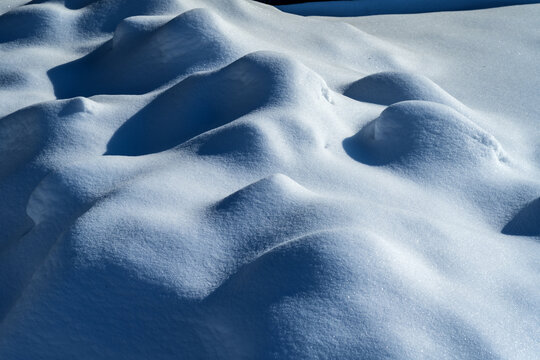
(307, 265)
(243, 140)
(422, 133)
(43, 17)
(388, 88)
(206, 101)
(277, 187)
(259, 211)
(162, 50)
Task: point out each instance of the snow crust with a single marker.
(223, 180)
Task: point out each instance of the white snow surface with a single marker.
(187, 179)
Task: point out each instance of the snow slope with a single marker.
(222, 180)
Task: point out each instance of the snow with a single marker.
(221, 179)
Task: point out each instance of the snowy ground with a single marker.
(188, 179)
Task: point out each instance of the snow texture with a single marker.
(186, 179)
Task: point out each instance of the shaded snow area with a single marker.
(372, 7)
(189, 179)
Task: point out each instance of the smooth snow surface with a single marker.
(187, 179)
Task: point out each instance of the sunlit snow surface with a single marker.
(222, 180)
